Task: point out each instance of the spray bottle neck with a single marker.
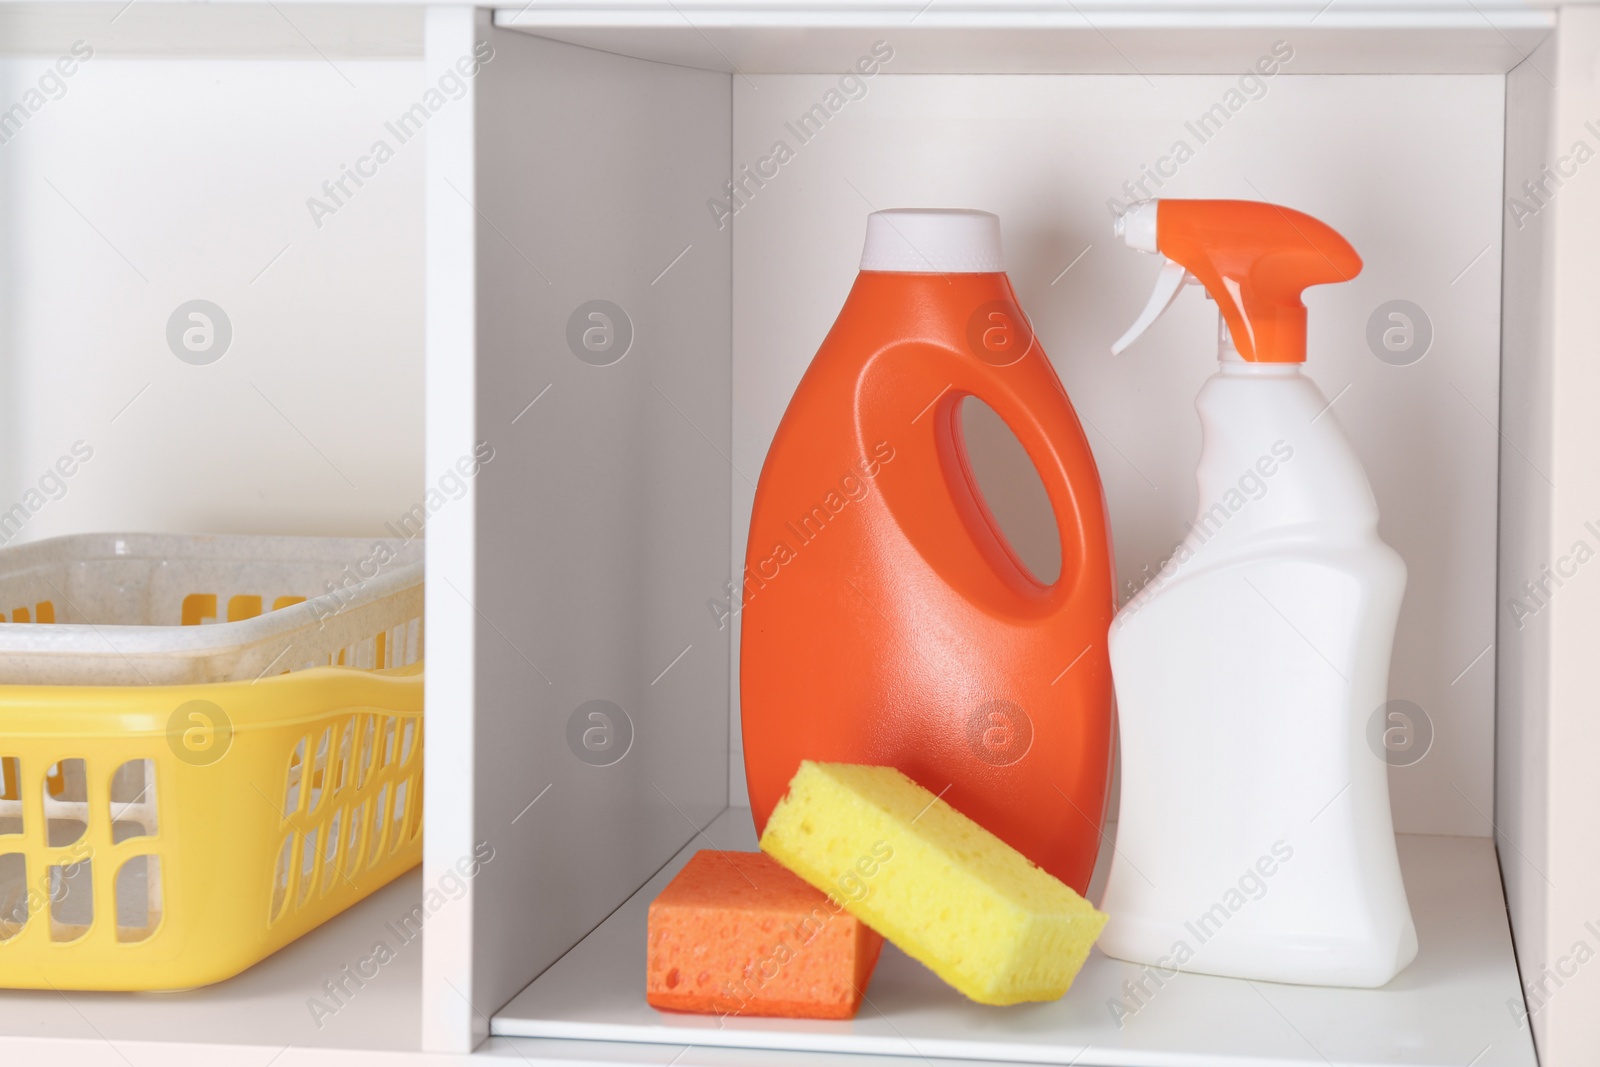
(1233, 365)
(1226, 352)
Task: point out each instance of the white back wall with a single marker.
(310, 422)
(1415, 184)
(147, 183)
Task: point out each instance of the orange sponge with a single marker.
(736, 934)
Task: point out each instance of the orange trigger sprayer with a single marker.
(1254, 260)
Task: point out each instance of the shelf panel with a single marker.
(306, 30)
(269, 1006)
(1131, 37)
(1449, 1008)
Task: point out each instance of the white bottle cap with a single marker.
(933, 241)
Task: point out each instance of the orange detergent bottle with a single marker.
(886, 620)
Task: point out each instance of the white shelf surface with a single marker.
(268, 1007)
(1453, 1006)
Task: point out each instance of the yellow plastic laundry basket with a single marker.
(165, 836)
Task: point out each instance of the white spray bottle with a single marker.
(1255, 839)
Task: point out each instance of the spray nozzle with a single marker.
(1254, 260)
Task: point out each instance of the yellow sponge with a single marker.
(932, 881)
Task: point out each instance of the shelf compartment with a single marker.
(600, 143)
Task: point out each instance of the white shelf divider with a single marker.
(1453, 1006)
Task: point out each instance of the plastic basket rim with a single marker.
(151, 545)
(186, 641)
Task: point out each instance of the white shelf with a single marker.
(265, 1008)
(1448, 1008)
(308, 29)
(1133, 37)
(564, 173)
